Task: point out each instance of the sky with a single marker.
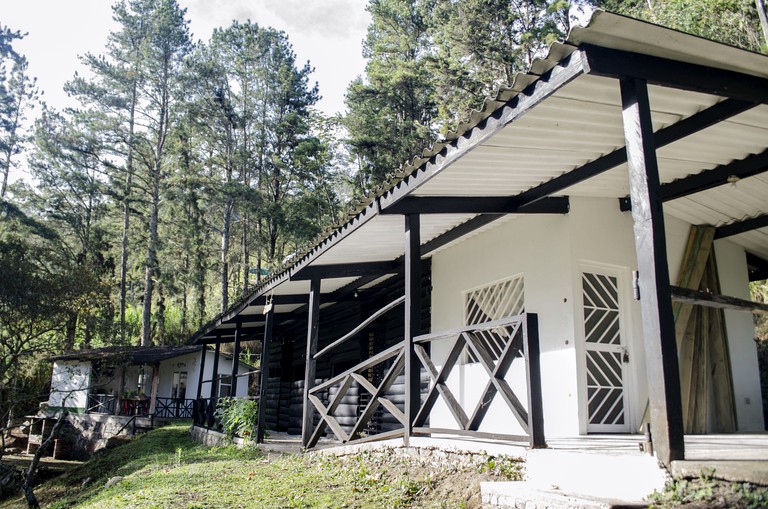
(328, 33)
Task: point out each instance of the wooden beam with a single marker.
(264, 383)
(476, 205)
(655, 302)
(532, 352)
(344, 270)
(745, 225)
(712, 300)
(719, 176)
(215, 372)
(682, 129)
(155, 387)
(203, 355)
(236, 361)
(412, 320)
(313, 323)
(664, 72)
(361, 326)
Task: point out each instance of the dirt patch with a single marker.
(432, 478)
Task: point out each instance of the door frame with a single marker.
(623, 278)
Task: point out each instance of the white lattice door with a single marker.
(606, 354)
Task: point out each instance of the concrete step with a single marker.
(627, 477)
(524, 495)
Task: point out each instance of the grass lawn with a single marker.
(166, 469)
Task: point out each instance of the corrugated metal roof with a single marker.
(579, 123)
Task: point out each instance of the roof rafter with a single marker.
(476, 205)
(664, 72)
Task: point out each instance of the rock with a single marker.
(11, 479)
(113, 481)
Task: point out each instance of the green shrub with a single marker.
(238, 416)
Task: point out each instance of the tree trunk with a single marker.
(31, 476)
(760, 4)
(70, 332)
(225, 254)
(151, 269)
(127, 212)
(246, 254)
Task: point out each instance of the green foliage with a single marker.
(391, 113)
(706, 491)
(733, 22)
(165, 468)
(238, 416)
(429, 66)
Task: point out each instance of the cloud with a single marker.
(328, 18)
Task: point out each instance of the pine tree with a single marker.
(18, 94)
(391, 113)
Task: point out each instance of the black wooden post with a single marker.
(203, 355)
(412, 320)
(215, 374)
(265, 346)
(533, 373)
(309, 367)
(235, 360)
(655, 297)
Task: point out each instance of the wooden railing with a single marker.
(101, 404)
(174, 408)
(204, 413)
(345, 381)
(520, 337)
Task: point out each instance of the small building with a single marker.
(163, 381)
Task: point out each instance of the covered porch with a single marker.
(623, 118)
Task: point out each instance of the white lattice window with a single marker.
(494, 301)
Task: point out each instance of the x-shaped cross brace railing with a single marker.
(496, 383)
(377, 396)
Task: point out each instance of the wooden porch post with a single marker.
(215, 373)
(265, 346)
(533, 373)
(203, 355)
(235, 360)
(120, 389)
(412, 320)
(309, 368)
(655, 297)
(155, 386)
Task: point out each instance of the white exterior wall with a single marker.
(740, 329)
(186, 363)
(551, 252)
(507, 250)
(225, 368)
(69, 385)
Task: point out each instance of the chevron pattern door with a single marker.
(606, 356)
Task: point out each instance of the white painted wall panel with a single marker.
(70, 384)
(551, 252)
(740, 328)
